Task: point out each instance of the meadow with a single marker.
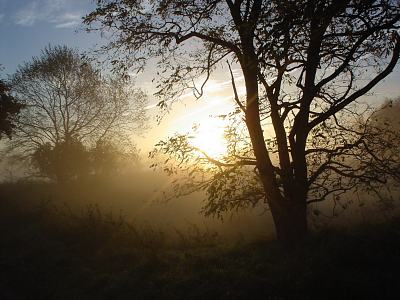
(50, 251)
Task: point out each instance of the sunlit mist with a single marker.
(241, 149)
(209, 137)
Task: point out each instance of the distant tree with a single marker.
(305, 63)
(9, 109)
(109, 158)
(72, 160)
(69, 107)
(63, 161)
(381, 151)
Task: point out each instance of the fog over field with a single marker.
(208, 149)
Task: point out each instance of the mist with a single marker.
(137, 197)
(238, 149)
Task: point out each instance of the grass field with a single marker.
(49, 253)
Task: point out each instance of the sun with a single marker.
(209, 137)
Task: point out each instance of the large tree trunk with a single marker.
(288, 210)
(290, 221)
(289, 214)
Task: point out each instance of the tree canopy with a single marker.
(9, 109)
(305, 64)
(71, 107)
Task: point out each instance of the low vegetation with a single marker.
(48, 252)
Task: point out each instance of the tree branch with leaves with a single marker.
(303, 63)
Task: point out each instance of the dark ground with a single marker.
(56, 254)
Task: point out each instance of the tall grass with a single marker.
(50, 251)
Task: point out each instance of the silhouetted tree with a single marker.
(304, 63)
(381, 154)
(71, 106)
(9, 109)
(63, 161)
(108, 158)
(72, 160)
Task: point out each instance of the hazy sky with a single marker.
(27, 26)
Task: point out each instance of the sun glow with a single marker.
(209, 137)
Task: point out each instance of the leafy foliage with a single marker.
(65, 160)
(72, 160)
(69, 107)
(9, 109)
(304, 63)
